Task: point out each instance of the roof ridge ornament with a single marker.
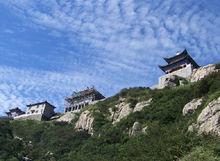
(178, 52)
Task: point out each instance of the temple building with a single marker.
(38, 111)
(79, 100)
(179, 61)
(182, 65)
(14, 112)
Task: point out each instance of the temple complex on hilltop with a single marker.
(182, 65)
(79, 100)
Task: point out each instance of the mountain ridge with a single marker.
(157, 131)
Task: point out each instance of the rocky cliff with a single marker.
(123, 109)
(67, 117)
(190, 107)
(85, 122)
(208, 121)
(202, 72)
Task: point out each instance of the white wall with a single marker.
(184, 72)
(43, 109)
(37, 109)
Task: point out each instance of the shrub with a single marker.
(200, 154)
(132, 101)
(217, 66)
(201, 88)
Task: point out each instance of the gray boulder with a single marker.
(190, 107)
(67, 117)
(202, 72)
(139, 106)
(136, 129)
(123, 109)
(171, 81)
(209, 119)
(85, 122)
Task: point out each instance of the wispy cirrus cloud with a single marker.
(21, 87)
(130, 27)
(117, 43)
(120, 27)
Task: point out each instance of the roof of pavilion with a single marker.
(174, 60)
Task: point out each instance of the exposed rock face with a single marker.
(67, 117)
(200, 73)
(144, 130)
(190, 107)
(171, 81)
(192, 128)
(141, 105)
(136, 129)
(123, 109)
(85, 122)
(209, 119)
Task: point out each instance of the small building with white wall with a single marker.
(38, 111)
(182, 65)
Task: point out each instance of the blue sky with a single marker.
(50, 48)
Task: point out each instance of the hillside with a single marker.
(137, 124)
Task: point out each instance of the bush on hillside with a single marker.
(132, 102)
(200, 154)
(208, 85)
(217, 66)
(10, 147)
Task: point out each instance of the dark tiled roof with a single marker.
(15, 110)
(83, 93)
(178, 58)
(18, 110)
(40, 103)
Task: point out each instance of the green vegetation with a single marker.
(217, 66)
(166, 138)
(201, 154)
